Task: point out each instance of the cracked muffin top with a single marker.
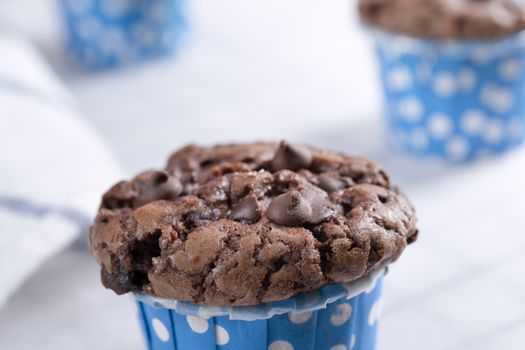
(446, 19)
(244, 224)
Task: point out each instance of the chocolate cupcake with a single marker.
(453, 73)
(286, 236)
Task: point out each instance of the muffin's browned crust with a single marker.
(446, 19)
(245, 224)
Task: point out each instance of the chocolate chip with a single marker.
(159, 178)
(331, 183)
(291, 157)
(321, 206)
(246, 210)
(290, 209)
(119, 196)
(156, 185)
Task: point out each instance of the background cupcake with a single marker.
(107, 33)
(453, 74)
(260, 246)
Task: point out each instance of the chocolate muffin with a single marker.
(446, 19)
(244, 224)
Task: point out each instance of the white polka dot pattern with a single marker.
(457, 148)
(197, 324)
(440, 125)
(493, 133)
(221, 336)
(410, 109)
(301, 317)
(160, 330)
(473, 122)
(374, 313)
(510, 69)
(280, 345)
(342, 315)
(444, 84)
(497, 98)
(453, 101)
(339, 347)
(400, 78)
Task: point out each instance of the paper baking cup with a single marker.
(455, 100)
(106, 33)
(336, 317)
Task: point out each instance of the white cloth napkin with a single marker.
(53, 167)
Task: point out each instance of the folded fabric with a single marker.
(53, 166)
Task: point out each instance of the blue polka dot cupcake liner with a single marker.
(108, 33)
(335, 317)
(456, 100)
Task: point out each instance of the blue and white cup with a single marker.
(456, 100)
(108, 33)
(336, 317)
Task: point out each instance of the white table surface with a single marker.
(300, 70)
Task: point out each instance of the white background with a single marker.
(300, 70)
